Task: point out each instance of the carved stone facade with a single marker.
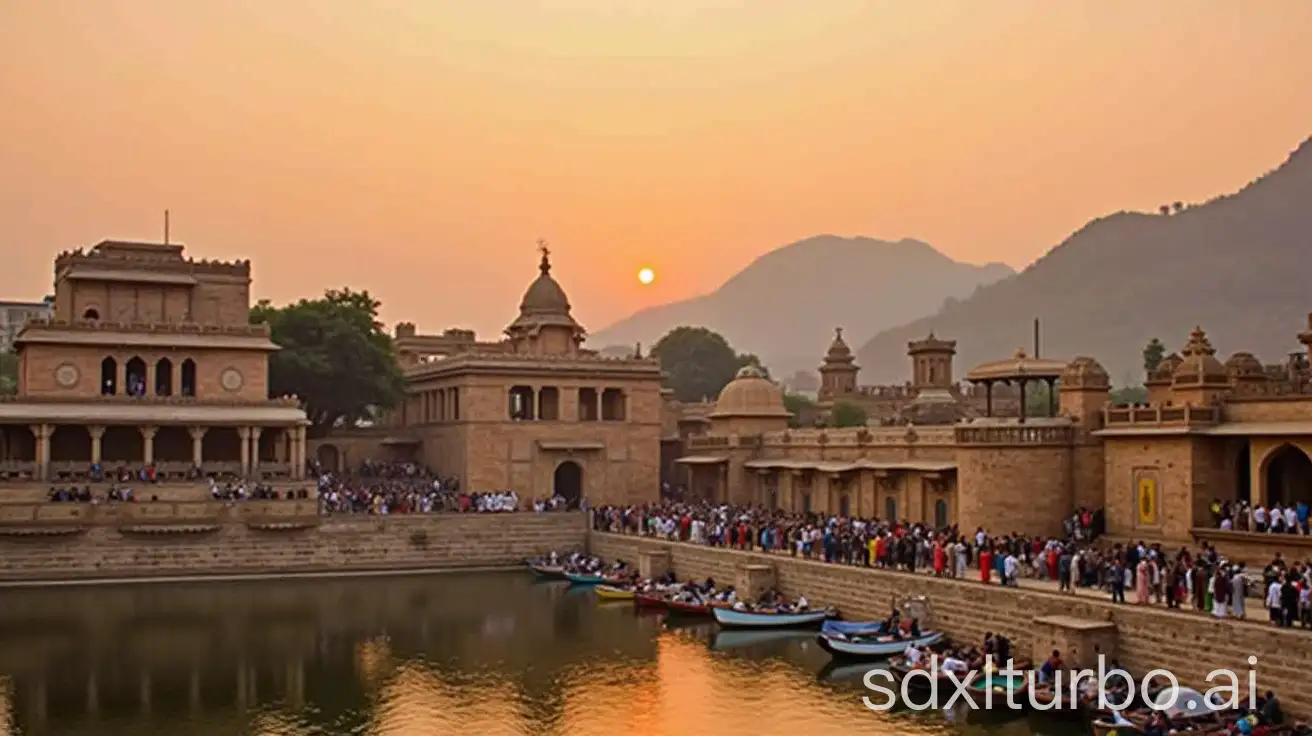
(1213, 430)
(149, 360)
(536, 412)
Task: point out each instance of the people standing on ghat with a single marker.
(1289, 518)
(1158, 576)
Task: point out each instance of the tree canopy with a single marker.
(699, 362)
(802, 409)
(1153, 353)
(8, 373)
(847, 414)
(336, 356)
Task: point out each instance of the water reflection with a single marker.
(493, 655)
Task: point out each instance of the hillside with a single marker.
(1238, 266)
(785, 305)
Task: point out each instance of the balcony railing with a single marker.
(1160, 415)
(1015, 435)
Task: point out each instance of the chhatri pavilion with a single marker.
(148, 361)
(1210, 430)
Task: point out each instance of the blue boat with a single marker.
(874, 648)
(853, 628)
(731, 619)
(585, 579)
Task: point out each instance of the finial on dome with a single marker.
(545, 265)
(838, 333)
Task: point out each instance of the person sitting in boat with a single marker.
(1158, 725)
(740, 606)
(893, 621)
(958, 666)
(802, 605)
(1050, 668)
(1269, 711)
(913, 628)
(913, 655)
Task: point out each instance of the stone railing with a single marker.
(283, 401)
(863, 436)
(1015, 435)
(708, 443)
(157, 513)
(1160, 415)
(170, 328)
(79, 471)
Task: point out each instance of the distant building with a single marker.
(13, 315)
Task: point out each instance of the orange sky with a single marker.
(418, 148)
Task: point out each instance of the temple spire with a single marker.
(545, 265)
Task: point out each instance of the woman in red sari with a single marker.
(985, 565)
(940, 558)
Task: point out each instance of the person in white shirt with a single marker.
(1259, 518)
(913, 655)
(1011, 567)
(1273, 601)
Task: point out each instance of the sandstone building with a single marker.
(148, 360)
(535, 412)
(1236, 430)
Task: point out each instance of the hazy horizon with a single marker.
(418, 148)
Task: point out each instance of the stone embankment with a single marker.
(63, 542)
(1146, 638)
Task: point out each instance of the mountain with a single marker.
(1238, 266)
(785, 305)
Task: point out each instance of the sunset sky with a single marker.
(418, 148)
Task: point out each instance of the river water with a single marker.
(493, 654)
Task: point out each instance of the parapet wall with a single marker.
(253, 537)
(1187, 645)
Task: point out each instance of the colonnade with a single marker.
(293, 446)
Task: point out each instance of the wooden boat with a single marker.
(1105, 727)
(684, 608)
(853, 628)
(901, 670)
(732, 619)
(578, 578)
(612, 593)
(1000, 691)
(873, 648)
(547, 572)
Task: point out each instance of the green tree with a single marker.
(801, 408)
(698, 362)
(847, 414)
(8, 373)
(335, 356)
(1129, 395)
(1153, 353)
(1036, 400)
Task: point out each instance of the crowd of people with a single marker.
(1200, 579)
(1242, 516)
(408, 488)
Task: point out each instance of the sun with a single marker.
(646, 276)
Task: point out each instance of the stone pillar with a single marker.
(43, 433)
(242, 688)
(193, 691)
(298, 453)
(753, 580)
(653, 563)
(197, 445)
(245, 434)
(255, 450)
(97, 433)
(148, 444)
(296, 683)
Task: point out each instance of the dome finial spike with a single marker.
(545, 265)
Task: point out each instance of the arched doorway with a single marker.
(328, 457)
(1288, 476)
(1244, 474)
(568, 482)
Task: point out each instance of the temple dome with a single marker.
(1199, 364)
(1244, 365)
(750, 394)
(544, 305)
(1085, 372)
(839, 352)
(1166, 368)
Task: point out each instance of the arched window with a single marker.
(890, 509)
(164, 377)
(940, 514)
(134, 377)
(91, 314)
(108, 377)
(187, 378)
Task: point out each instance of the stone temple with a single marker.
(534, 411)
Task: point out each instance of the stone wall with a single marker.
(198, 542)
(1188, 645)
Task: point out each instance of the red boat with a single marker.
(656, 600)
